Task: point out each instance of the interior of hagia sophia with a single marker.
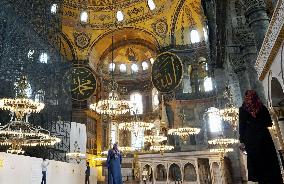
(164, 79)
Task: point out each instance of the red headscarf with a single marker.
(252, 103)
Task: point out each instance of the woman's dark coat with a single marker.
(262, 160)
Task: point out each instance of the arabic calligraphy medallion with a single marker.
(82, 83)
(167, 72)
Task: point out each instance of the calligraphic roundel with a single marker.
(82, 83)
(167, 72)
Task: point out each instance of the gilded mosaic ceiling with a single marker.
(168, 24)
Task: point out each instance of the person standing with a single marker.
(114, 160)
(87, 174)
(44, 165)
(262, 161)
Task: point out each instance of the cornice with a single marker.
(272, 41)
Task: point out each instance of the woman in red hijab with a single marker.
(262, 161)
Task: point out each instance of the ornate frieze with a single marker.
(272, 41)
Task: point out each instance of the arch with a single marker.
(63, 50)
(277, 95)
(147, 173)
(161, 173)
(189, 173)
(216, 172)
(103, 44)
(174, 21)
(175, 173)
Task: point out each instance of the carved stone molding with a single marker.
(272, 41)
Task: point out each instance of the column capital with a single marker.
(252, 5)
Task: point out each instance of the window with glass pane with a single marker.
(43, 58)
(208, 85)
(145, 65)
(122, 68)
(119, 16)
(111, 67)
(136, 103)
(113, 133)
(134, 68)
(214, 120)
(155, 99)
(53, 8)
(137, 137)
(84, 16)
(151, 4)
(194, 36)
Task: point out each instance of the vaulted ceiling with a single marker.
(168, 24)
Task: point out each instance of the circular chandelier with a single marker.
(222, 144)
(155, 138)
(184, 132)
(130, 126)
(230, 113)
(111, 106)
(161, 148)
(21, 106)
(19, 134)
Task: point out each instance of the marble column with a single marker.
(258, 20)
(249, 59)
(243, 80)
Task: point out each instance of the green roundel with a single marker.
(82, 83)
(167, 72)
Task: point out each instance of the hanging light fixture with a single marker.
(184, 132)
(19, 133)
(230, 113)
(111, 106)
(136, 125)
(161, 148)
(221, 145)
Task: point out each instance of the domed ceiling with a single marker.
(169, 23)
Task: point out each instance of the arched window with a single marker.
(43, 57)
(137, 137)
(53, 8)
(136, 103)
(155, 99)
(39, 96)
(214, 120)
(113, 133)
(84, 16)
(122, 68)
(152, 60)
(151, 4)
(134, 68)
(145, 65)
(31, 53)
(119, 16)
(208, 85)
(194, 36)
(111, 67)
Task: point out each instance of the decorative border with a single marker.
(272, 41)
